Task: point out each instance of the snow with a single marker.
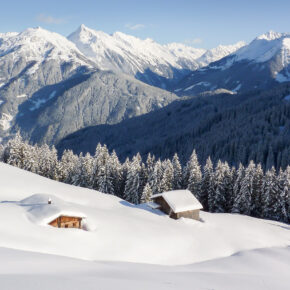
(127, 246)
(2, 84)
(287, 98)
(237, 88)
(219, 52)
(265, 47)
(42, 213)
(1, 102)
(5, 121)
(39, 102)
(21, 96)
(281, 78)
(119, 231)
(180, 200)
(38, 44)
(130, 54)
(153, 205)
(256, 269)
(205, 84)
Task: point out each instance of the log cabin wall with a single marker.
(164, 205)
(67, 222)
(193, 214)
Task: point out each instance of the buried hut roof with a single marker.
(180, 200)
(41, 212)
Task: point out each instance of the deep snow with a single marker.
(265, 269)
(223, 251)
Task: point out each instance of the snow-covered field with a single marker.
(129, 247)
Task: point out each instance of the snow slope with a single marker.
(265, 269)
(120, 231)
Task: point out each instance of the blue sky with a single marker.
(203, 23)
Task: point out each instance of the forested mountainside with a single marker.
(97, 97)
(234, 128)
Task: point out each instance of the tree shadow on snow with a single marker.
(143, 206)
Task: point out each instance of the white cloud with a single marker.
(194, 41)
(134, 26)
(49, 19)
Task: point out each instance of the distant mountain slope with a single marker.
(30, 61)
(235, 128)
(261, 64)
(97, 97)
(49, 89)
(155, 64)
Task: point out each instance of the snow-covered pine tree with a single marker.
(256, 206)
(237, 186)
(193, 175)
(155, 178)
(227, 185)
(150, 162)
(177, 172)
(146, 194)
(15, 151)
(115, 172)
(104, 177)
(132, 186)
(167, 176)
(218, 203)
(83, 171)
(96, 164)
(270, 194)
(207, 191)
(68, 162)
(231, 195)
(286, 190)
(124, 173)
(281, 206)
(47, 161)
(243, 199)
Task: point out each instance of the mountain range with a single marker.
(261, 64)
(53, 89)
(153, 63)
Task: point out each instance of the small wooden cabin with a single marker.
(178, 203)
(67, 222)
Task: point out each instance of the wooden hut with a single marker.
(178, 203)
(64, 221)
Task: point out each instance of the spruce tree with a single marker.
(131, 193)
(167, 177)
(218, 203)
(207, 184)
(177, 172)
(193, 175)
(146, 194)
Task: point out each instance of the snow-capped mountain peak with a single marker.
(38, 44)
(264, 47)
(271, 35)
(143, 58)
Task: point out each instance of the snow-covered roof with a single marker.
(43, 213)
(180, 200)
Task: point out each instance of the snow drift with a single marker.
(121, 231)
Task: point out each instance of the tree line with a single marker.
(220, 188)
